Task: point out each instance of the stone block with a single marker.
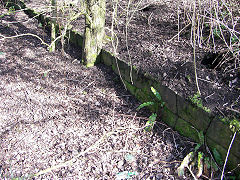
(130, 87)
(193, 114)
(143, 95)
(168, 96)
(79, 40)
(233, 160)
(139, 80)
(118, 71)
(236, 146)
(125, 70)
(72, 37)
(107, 58)
(186, 129)
(168, 117)
(221, 134)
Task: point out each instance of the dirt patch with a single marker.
(54, 111)
(152, 49)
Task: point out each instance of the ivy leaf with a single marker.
(145, 104)
(156, 94)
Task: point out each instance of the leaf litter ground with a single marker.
(54, 111)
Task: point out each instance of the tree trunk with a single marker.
(94, 30)
(53, 30)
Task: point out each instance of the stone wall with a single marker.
(178, 113)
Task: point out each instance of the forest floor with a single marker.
(150, 43)
(55, 111)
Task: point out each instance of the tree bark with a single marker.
(53, 30)
(94, 30)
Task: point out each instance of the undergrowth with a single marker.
(152, 119)
(196, 99)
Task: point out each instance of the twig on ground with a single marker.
(234, 110)
(20, 35)
(74, 159)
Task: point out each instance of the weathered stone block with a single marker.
(236, 146)
(143, 95)
(168, 96)
(118, 71)
(130, 87)
(72, 37)
(232, 162)
(107, 58)
(125, 70)
(79, 40)
(193, 114)
(168, 117)
(186, 129)
(139, 80)
(221, 134)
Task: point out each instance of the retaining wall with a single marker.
(178, 113)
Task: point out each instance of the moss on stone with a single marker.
(192, 114)
(168, 117)
(186, 129)
(233, 161)
(130, 87)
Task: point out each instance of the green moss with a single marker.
(233, 161)
(114, 68)
(196, 99)
(90, 64)
(143, 95)
(233, 123)
(130, 87)
(186, 129)
(168, 117)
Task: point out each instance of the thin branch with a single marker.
(20, 35)
(74, 159)
(228, 152)
(177, 35)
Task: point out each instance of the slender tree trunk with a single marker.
(94, 30)
(53, 30)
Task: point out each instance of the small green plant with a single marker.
(11, 10)
(150, 123)
(196, 99)
(217, 32)
(233, 123)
